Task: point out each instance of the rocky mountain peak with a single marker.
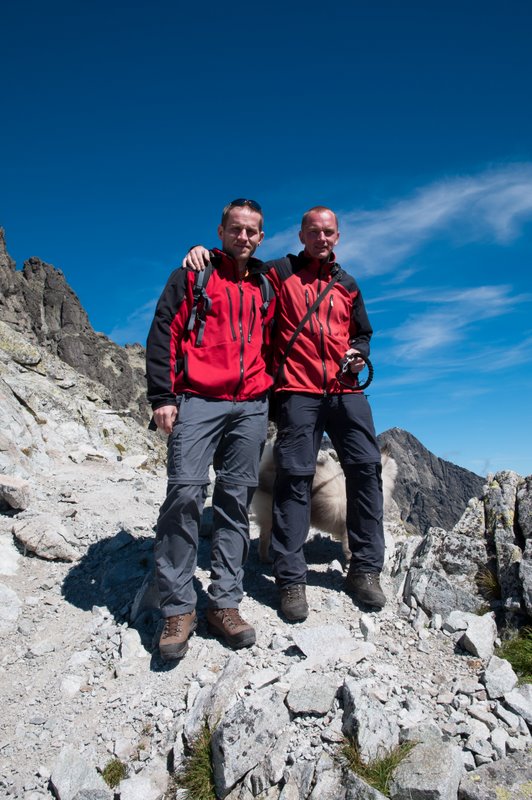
(6, 262)
(38, 302)
(429, 490)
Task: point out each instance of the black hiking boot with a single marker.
(365, 587)
(294, 602)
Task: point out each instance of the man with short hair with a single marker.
(311, 400)
(207, 384)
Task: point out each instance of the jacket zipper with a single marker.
(329, 314)
(307, 300)
(252, 316)
(242, 338)
(233, 332)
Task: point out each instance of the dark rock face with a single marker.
(39, 303)
(6, 262)
(429, 491)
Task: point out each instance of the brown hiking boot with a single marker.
(365, 587)
(228, 623)
(173, 643)
(294, 602)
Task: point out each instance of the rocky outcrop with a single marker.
(509, 779)
(50, 413)
(428, 490)
(478, 562)
(38, 303)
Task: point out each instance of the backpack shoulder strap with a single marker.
(266, 290)
(336, 273)
(201, 280)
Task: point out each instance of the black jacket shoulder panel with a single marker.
(284, 267)
(348, 281)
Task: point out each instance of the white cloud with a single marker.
(450, 315)
(280, 243)
(136, 326)
(493, 204)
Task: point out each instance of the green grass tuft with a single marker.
(518, 651)
(488, 584)
(197, 775)
(378, 771)
(114, 772)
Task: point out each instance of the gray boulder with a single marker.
(436, 594)
(140, 787)
(212, 701)
(20, 350)
(14, 492)
(72, 776)
(499, 677)
(524, 521)
(367, 720)
(507, 779)
(244, 736)
(525, 576)
(357, 789)
(312, 694)
(479, 637)
(47, 537)
(429, 772)
(524, 508)
(329, 783)
(500, 503)
(520, 701)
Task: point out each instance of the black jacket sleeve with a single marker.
(167, 325)
(361, 330)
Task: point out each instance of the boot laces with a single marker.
(173, 626)
(231, 618)
(294, 592)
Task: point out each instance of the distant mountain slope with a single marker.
(429, 491)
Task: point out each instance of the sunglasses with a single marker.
(242, 201)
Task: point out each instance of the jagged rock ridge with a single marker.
(38, 302)
(429, 490)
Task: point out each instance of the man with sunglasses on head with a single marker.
(207, 384)
(313, 398)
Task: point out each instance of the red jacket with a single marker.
(230, 362)
(339, 322)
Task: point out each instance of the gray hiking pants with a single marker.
(232, 434)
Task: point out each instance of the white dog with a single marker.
(328, 504)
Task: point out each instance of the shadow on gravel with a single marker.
(117, 573)
(112, 573)
(258, 577)
(109, 573)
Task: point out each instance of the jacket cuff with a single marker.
(168, 401)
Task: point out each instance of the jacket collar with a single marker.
(228, 263)
(317, 266)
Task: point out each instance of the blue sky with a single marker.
(127, 126)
